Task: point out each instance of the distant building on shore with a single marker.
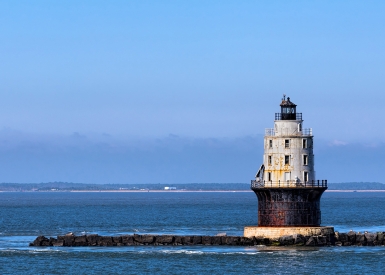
(170, 188)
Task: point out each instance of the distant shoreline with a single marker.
(173, 191)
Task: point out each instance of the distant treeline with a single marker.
(69, 186)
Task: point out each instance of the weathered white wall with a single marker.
(288, 130)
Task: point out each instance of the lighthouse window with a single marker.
(287, 143)
(287, 160)
(304, 143)
(269, 176)
(305, 176)
(270, 143)
(269, 160)
(305, 159)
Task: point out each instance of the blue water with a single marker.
(23, 216)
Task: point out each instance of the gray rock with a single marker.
(380, 237)
(337, 236)
(105, 241)
(217, 240)
(39, 241)
(360, 239)
(196, 240)
(80, 241)
(92, 239)
(352, 237)
(187, 240)
(246, 241)
(312, 241)
(207, 240)
(299, 239)
(343, 237)
(258, 241)
(286, 240)
(178, 240)
(128, 240)
(117, 240)
(69, 240)
(165, 239)
(58, 243)
(370, 238)
(321, 240)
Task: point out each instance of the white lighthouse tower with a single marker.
(288, 149)
(288, 193)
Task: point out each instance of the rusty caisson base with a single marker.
(289, 207)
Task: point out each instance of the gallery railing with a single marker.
(288, 116)
(270, 132)
(289, 184)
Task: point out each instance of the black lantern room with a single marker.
(288, 110)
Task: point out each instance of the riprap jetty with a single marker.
(337, 239)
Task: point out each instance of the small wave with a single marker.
(199, 252)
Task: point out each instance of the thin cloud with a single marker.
(338, 143)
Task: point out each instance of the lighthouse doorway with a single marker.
(287, 176)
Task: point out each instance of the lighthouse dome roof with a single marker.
(286, 102)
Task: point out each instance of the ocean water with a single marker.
(23, 216)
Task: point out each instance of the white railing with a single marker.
(307, 132)
(256, 184)
(270, 132)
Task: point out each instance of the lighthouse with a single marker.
(286, 186)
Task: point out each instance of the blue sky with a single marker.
(181, 91)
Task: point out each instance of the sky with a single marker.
(181, 91)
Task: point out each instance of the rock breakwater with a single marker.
(336, 239)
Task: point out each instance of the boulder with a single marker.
(370, 238)
(337, 236)
(360, 239)
(343, 237)
(52, 240)
(117, 240)
(105, 241)
(39, 241)
(187, 240)
(196, 240)
(299, 239)
(321, 240)
(380, 237)
(312, 241)
(128, 240)
(178, 240)
(80, 241)
(207, 240)
(230, 240)
(58, 243)
(92, 239)
(286, 240)
(217, 240)
(352, 237)
(164, 239)
(246, 241)
(69, 240)
(258, 241)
